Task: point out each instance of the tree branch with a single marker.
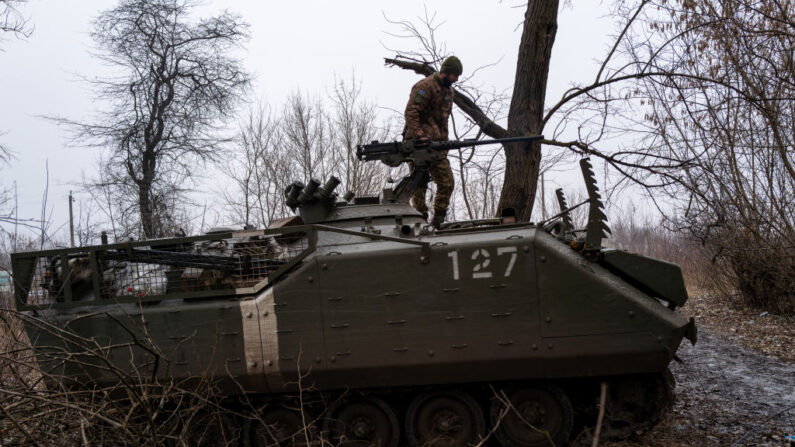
(487, 125)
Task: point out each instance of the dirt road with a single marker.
(727, 395)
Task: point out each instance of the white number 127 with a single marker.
(483, 257)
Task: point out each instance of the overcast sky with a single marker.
(294, 44)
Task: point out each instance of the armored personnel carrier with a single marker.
(402, 334)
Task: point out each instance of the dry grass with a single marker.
(772, 335)
(38, 408)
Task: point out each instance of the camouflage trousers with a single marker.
(442, 175)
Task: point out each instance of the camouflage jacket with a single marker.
(428, 110)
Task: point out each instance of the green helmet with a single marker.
(452, 65)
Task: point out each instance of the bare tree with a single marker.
(727, 115)
(259, 171)
(311, 138)
(11, 18)
(525, 115)
(307, 138)
(14, 22)
(321, 138)
(177, 81)
(352, 121)
(700, 97)
(523, 161)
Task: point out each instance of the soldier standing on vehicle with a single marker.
(427, 112)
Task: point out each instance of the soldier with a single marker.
(426, 115)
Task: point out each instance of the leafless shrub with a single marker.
(309, 138)
(40, 406)
(724, 112)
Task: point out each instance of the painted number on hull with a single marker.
(481, 258)
(479, 271)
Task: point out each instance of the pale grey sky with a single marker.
(298, 44)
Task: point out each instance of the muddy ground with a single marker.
(729, 392)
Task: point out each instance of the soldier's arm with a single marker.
(418, 100)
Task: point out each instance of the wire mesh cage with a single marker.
(188, 267)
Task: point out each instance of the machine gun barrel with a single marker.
(376, 150)
(457, 144)
(418, 151)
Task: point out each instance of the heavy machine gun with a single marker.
(421, 153)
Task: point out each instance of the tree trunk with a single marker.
(526, 113)
(147, 211)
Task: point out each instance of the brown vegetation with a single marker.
(41, 407)
(725, 113)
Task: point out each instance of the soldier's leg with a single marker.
(442, 175)
(418, 201)
(418, 198)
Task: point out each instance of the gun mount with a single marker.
(421, 153)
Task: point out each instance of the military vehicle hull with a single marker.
(376, 308)
(536, 309)
(358, 324)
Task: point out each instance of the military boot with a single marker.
(438, 217)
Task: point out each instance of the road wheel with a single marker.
(362, 422)
(537, 416)
(637, 403)
(444, 419)
(279, 426)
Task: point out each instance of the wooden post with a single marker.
(71, 221)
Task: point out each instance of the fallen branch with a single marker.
(600, 418)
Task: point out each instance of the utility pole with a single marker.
(16, 215)
(71, 220)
